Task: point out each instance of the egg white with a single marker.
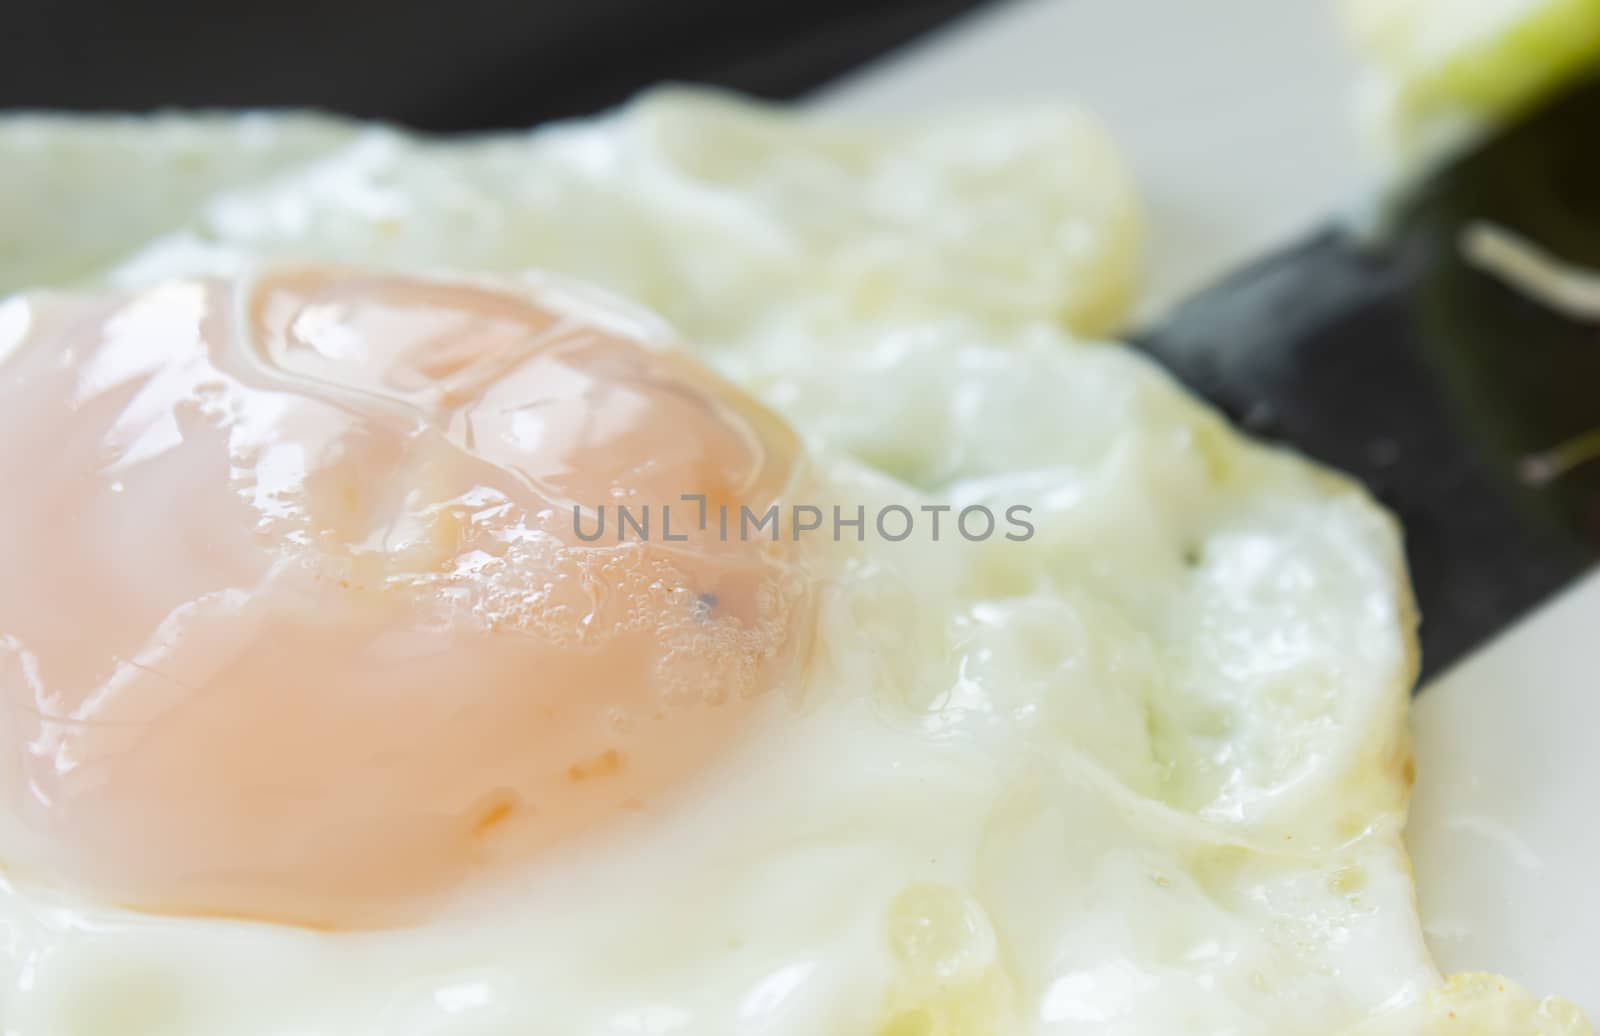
(81, 192)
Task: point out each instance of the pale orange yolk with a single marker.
(295, 622)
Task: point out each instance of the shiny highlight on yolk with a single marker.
(295, 623)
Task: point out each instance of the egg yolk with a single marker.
(308, 614)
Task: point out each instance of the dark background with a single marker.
(457, 65)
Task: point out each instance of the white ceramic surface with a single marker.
(1236, 116)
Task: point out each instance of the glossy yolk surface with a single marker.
(295, 622)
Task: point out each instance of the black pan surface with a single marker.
(463, 65)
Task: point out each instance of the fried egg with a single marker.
(1019, 695)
